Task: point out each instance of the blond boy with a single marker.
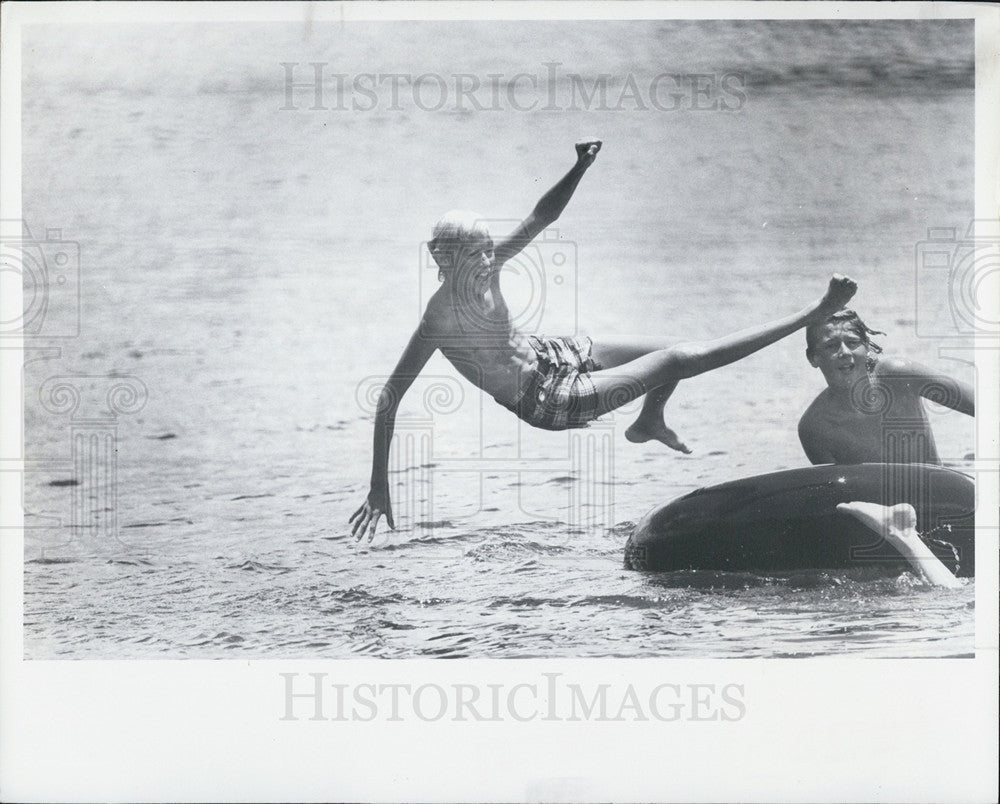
(550, 383)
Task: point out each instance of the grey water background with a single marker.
(258, 270)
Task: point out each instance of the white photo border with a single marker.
(823, 729)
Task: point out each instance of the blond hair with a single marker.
(456, 226)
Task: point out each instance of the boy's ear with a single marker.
(441, 257)
(811, 359)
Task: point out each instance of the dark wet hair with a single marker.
(851, 319)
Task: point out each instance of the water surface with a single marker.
(259, 271)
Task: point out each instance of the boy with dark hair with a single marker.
(872, 409)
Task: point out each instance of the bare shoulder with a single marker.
(438, 318)
(815, 432)
(813, 414)
(901, 367)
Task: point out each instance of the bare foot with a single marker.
(840, 291)
(897, 524)
(641, 431)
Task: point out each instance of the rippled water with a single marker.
(258, 270)
(498, 592)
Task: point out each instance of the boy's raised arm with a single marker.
(551, 205)
(415, 356)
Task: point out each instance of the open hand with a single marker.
(586, 150)
(369, 514)
(838, 294)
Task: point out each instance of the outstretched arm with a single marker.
(934, 385)
(551, 205)
(415, 356)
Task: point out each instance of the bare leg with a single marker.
(650, 424)
(614, 352)
(656, 374)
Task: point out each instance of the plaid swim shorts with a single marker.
(560, 395)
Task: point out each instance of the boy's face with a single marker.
(475, 262)
(841, 354)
